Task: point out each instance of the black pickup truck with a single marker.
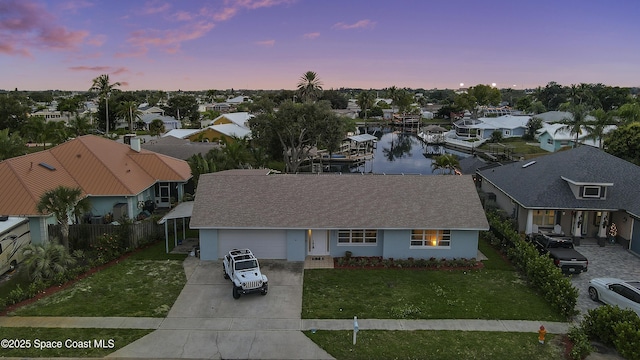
(561, 250)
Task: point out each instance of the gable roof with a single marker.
(230, 130)
(98, 166)
(540, 185)
(304, 201)
(238, 118)
(181, 133)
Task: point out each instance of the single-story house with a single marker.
(238, 118)
(553, 137)
(579, 192)
(119, 180)
(292, 216)
(178, 148)
(483, 128)
(169, 122)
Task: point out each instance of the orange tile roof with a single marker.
(96, 165)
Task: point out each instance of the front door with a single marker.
(318, 242)
(163, 198)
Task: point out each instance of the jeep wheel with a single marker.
(263, 292)
(225, 274)
(13, 266)
(593, 293)
(236, 292)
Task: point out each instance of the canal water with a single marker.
(398, 152)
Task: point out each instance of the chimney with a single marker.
(135, 144)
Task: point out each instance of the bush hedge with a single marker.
(615, 327)
(539, 270)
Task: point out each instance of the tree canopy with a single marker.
(63, 202)
(295, 129)
(624, 142)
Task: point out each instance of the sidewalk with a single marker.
(234, 324)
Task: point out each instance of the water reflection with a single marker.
(398, 153)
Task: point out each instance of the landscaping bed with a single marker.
(377, 262)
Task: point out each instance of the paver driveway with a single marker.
(608, 261)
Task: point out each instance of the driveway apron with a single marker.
(207, 323)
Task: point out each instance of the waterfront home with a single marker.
(292, 216)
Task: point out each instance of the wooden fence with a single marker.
(82, 236)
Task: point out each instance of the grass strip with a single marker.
(437, 345)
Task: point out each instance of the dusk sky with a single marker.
(268, 44)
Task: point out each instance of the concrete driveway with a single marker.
(608, 261)
(207, 323)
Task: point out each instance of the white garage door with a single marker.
(265, 244)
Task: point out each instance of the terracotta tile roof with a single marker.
(234, 200)
(98, 166)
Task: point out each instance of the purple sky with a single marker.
(269, 44)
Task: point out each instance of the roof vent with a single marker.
(47, 166)
(528, 164)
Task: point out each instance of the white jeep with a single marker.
(244, 271)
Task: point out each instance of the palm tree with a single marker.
(575, 124)
(45, 262)
(11, 145)
(365, 101)
(63, 202)
(596, 128)
(130, 112)
(447, 162)
(80, 125)
(309, 86)
(103, 86)
(35, 130)
(156, 127)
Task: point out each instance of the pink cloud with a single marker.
(155, 7)
(266, 43)
(74, 5)
(26, 25)
(101, 69)
(97, 40)
(183, 16)
(312, 35)
(232, 7)
(362, 24)
(168, 40)
(124, 83)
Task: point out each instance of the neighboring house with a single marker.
(551, 117)
(117, 179)
(238, 118)
(178, 148)
(53, 115)
(170, 123)
(213, 133)
(291, 216)
(483, 128)
(238, 100)
(553, 137)
(583, 190)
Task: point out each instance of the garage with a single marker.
(265, 244)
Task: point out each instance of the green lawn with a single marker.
(495, 292)
(82, 337)
(437, 345)
(145, 284)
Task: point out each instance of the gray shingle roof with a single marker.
(541, 186)
(178, 148)
(301, 201)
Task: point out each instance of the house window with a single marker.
(591, 191)
(507, 133)
(550, 141)
(358, 237)
(544, 217)
(430, 238)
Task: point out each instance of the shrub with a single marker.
(599, 323)
(47, 262)
(581, 345)
(627, 339)
(106, 248)
(539, 270)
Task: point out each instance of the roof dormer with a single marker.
(588, 190)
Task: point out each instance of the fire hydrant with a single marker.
(541, 334)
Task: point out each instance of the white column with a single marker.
(529, 226)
